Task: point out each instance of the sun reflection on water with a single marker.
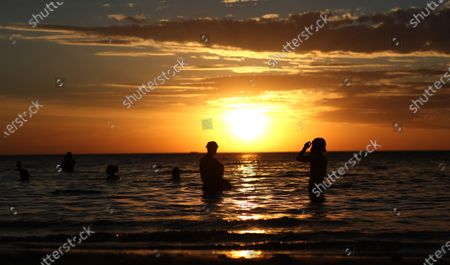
(246, 254)
(248, 202)
(247, 170)
(250, 231)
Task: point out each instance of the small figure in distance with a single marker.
(176, 174)
(68, 163)
(111, 171)
(24, 175)
(318, 166)
(211, 172)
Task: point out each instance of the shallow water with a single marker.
(391, 197)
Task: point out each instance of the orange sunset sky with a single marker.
(105, 50)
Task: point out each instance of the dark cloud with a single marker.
(367, 33)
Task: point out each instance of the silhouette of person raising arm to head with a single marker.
(211, 172)
(318, 165)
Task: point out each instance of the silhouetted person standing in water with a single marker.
(318, 165)
(211, 172)
(24, 175)
(68, 163)
(176, 174)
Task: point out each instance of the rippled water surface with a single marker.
(394, 196)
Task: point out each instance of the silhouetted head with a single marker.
(19, 165)
(111, 170)
(319, 146)
(68, 155)
(176, 174)
(212, 147)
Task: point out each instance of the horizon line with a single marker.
(203, 152)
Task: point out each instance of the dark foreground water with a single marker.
(392, 201)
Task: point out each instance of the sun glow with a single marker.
(247, 124)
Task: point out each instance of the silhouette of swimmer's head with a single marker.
(319, 146)
(68, 155)
(176, 174)
(111, 170)
(212, 147)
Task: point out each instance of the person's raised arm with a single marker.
(301, 156)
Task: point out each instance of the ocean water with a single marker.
(392, 201)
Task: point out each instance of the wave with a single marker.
(75, 192)
(415, 242)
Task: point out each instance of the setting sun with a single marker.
(246, 123)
